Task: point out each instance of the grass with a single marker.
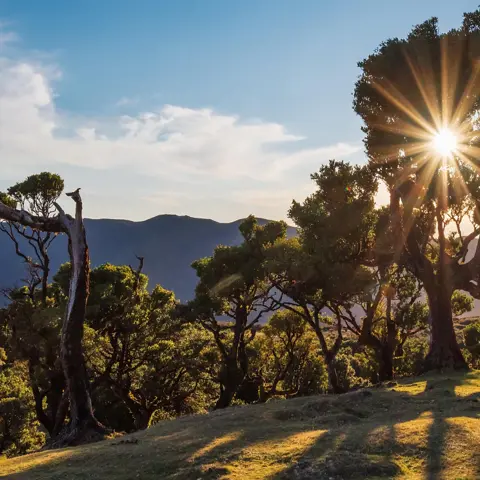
(422, 428)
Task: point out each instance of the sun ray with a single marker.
(405, 128)
(391, 152)
(468, 96)
(425, 84)
(432, 129)
(403, 104)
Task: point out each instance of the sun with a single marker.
(445, 142)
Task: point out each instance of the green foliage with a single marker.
(390, 95)
(461, 302)
(410, 357)
(288, 360)
(32, 335)
(405, 96)
(471, 335)
(19, 431)
(7, 200)
(365, 366)
(345, 372)
(232, 294)
(38, 192)
(236, 272)
(344, 365)
(335, 232)
(143, 358)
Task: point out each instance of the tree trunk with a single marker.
(45, 275)
(333, 375)
(227, 393)
(83, 425)
(142, 419)
(231, 378)
(444, 352)
(385, 359)
(439, 285)
(61, 415)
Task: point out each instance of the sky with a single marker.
(207, 108)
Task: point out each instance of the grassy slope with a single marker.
(425, 428)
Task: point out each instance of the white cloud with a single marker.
(279, 197)
(7, 37)
(171, 140)
(126, 101)
(172, 143)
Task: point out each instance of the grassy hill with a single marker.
(421, 428)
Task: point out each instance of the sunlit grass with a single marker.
(215, 443)
(424, 428)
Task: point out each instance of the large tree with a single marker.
(419, 99)
(83, 424)
(231, 296)
(32, 316)
(329, 263)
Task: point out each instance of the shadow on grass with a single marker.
(371, 449)
(363, 434)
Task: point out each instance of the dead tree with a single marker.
(83, 425)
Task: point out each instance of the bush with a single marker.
(19, 429)
(347, 377)
(471, 336)
(413, 355)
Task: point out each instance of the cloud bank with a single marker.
(170, 143)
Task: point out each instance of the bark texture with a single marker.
(83, 425)
(440, 280)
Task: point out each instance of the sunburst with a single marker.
(445, 143)
(441, 133)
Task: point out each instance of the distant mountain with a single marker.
(169, 244)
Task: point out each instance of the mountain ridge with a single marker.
(169, 243)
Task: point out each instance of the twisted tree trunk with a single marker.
(83, 425)
(440, 281)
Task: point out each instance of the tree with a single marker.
(323, 269)
(18, 427)
(391, 312)
(138, 350)
(32, 314)
(419, 100)
(287, 359)
(83, 423)
(394, 312)
(231, 296)
(38, 193)
(32, 335)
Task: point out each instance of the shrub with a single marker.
(411, 361)
(19, 429)
(471, 336)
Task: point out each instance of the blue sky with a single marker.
(206, 108)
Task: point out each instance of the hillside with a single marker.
(169, 244)
(422, 428)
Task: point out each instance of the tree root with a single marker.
(90, 432)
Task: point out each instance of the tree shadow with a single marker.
(359, 456)
(357, 435)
